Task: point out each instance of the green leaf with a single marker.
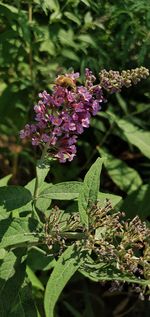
(68, 53)
(39, 260)
(9, 8)
(12, 274)
(35, 281)
(13, 197)
(42, 170)
(18, 232)
(87, 39)
(122, 103)
(4, 180)
(136, 136)
(137, 203)
(86, 2)
(3, 214)
(105, 272)
(89, 193)
(66, 266)
(72, 17)
(48, 46)
(41, 203)
(2, 253)
(52, 5)
(62, 191)
(114, 199)
(97, 124)
(66, 38)
(30, 186)
(125, 177)
(24, 305)
(55, 17)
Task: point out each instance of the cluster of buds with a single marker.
(63, 115)
(60, 117)
(113, 81)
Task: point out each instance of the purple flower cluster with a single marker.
(62, 115)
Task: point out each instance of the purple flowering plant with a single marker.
(64, 114)
(93, 238)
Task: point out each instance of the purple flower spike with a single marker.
(60, 117)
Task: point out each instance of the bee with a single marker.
(65, 81)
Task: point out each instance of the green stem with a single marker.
(73, 235)
(38, 181)
(36, 188)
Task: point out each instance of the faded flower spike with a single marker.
(64, 114)
(113, 81)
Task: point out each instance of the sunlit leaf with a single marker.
(66, 266)
(125, 177)
(4, 180)
(90, 189)
(18, 232)
(35, 281)
(138, 137)
(62, 191)
(72, 17)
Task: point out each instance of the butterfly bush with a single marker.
(60, 117)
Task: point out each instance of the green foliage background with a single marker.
(40, 39)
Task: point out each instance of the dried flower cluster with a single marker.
(121, 243)
(113, 81)
(126, 243)
(64, 114)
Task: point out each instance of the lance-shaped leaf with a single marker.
(125, 177)
(12, 274)
(64, 269)
(13, 197)
(132, 133)
(136, 136)
(35, 281)
(18, 232)
(107, 272)
(89, 193)
(62, 191)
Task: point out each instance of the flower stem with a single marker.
(42, 169)
(43, 156)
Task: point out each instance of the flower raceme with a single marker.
(60, 117)
(64, 114)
